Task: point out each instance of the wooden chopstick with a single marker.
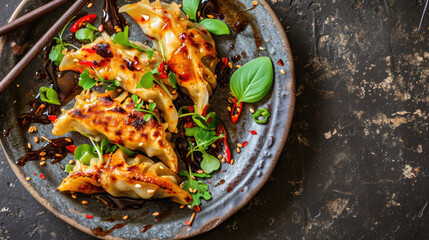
(31, 16)
(32, 53)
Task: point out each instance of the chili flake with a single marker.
(253, 132)
(89, 216)
(244, 143)
(42, 176)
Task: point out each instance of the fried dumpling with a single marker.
(188, 48)
(122, 176)
(107, 115)
(127, 65)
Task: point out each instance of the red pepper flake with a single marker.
(187, 223)
(71, 148)
(82, 22)
(244, 144)
(205, 112)
(89, 216)
(162, 70)
(26, 95)
(35, 174)
(210, 182)
(253, 132)
(42, 176)
(280, 62)
(52, 118)
(197, 208)
(191, 108)
(87, 63)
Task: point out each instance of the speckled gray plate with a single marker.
(243, 180)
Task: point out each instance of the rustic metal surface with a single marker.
(355, 163)
(242, 180)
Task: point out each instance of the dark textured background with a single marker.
(355, 163)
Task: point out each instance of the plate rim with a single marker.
(291, 88)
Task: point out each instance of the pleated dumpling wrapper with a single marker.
(123, 176)
(127, 66)
(112, 115)
(188, 48)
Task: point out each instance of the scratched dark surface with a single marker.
(355, 164)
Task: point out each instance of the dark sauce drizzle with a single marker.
(100, 232)
(147, 227)
(56, 150)
(112, 19)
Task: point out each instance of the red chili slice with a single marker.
(82, 21)
(87, 63)
(226, 151)
(71, 148)
(197, 208)
(42, 176)
(161, 70)
(89, 216)
(52, 118)
(90, 50)
(205, 112)
(244, 144)
(253, 132)
(236, 111)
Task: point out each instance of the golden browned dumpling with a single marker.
(188, 48)
(127, 65)
(113, 116)
(123, 176)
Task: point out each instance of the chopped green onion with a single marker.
(69, 168)
(261, 112)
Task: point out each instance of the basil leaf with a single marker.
(85, 35)
(86, 81)
(90, 27)
(49, 95)
(173, 80)
(146, 81)
(56, 55)
(215, 26)
(209, 163)
(147, 117)
(200, 189)
(251, 82)
(152, 106)
(190, 7)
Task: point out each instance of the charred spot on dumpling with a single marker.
(103, 49)
(132, 168)
(106, 100)
(139, 123)
(118, 132)
(78, 114)
(208, 46)
(129, 65)
(161, 143)
(156, 134)
(119, 110)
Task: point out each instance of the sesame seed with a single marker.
(44, 138)
(223, 160)
(89, 5)
(68, 140)
(182, 206)
(84, 202)
(74, 196)
(238, 66)
(155, 214)
(150, 101)
(117, 29)
(220, 156)
(255, 3)
(71, 162)
(140, 144)
(238, 150)
(198, 13)
(231, 100)
(174, 92)
(43, 159)
(17, 85)
(190, 190)
(213, 145)
(239, 145)
(42, 163)
(210, 16)
(75, 60)
(179, 5)
(64, 51)
(42, 153)
(229, 109)
(125, 217)
(138, 185)
(252, 110)
(200, 171)
(181, 19)
(232, 161)
(28, 178)
(230, 64)
(161, 167)
(57, 155)
(139, 101)
(150, 191)
(283, 71)
(187, 16)
(29, 145)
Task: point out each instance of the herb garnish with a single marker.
(253, 80)
(209, 122)
(87, 81)
(261, 112)
(138, 107)
(190, 7)
(215, 26)
(49, 95)
(196, 188)
(122, 38)
(148, 79)
(86, 34)
(56, 55)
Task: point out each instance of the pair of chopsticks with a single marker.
(43, 41)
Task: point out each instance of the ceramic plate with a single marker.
(241, 181)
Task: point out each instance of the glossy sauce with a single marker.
(112, 18)
(120, 203)
(99, 232)
(56, 150)
(147, 227)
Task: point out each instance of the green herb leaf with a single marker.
(98, 150)
(122, 38)
(152, 106)
(86, 34)
(49, 95)
(190, 7)
(173, 80)
(86, 81)
(147, 117)
(84, 153)
(209, 163)
(69, 168)
(130, 153)
(146, 81)
(202, 137)
(251, 82)
(215, 26)
(201, 188)
(56, 55)
(261, 112)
